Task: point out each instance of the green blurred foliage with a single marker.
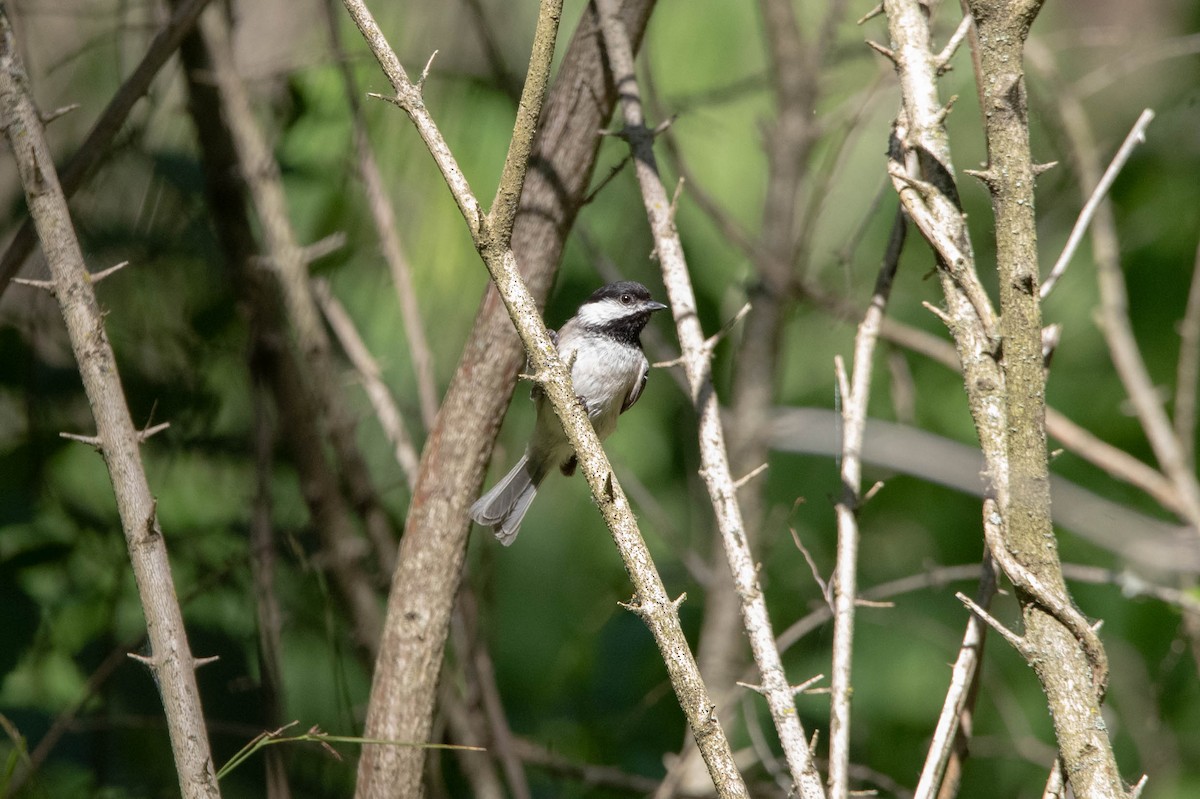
(578, 674)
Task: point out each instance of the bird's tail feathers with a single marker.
(503, 507)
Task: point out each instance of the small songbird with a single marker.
(602, 344)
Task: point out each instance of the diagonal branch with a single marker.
(432, 548)
(384, 217)
(714, 459)
(170, 658)
(98, 139)
(492, 233)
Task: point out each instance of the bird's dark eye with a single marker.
(626, 299)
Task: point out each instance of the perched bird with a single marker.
(602, 344)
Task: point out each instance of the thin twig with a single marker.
(107, 125)
(1187, 373)
(853, 427)
(1114, 303)
(386, 227)
(382, 401)
(963, 679)
(1137, 135)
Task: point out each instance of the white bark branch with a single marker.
(714, 467)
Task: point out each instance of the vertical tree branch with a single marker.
(1188, 370)
(95, 145)
(266, 601)
(170, 657)
(714, 459)
(369, 373)
(854, 422)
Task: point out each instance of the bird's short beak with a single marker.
(656, 306)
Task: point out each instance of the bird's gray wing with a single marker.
(638, 386)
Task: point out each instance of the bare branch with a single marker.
(386, 227)
(714, 459)
(1018, 643)
(1114, 301)
(1137, 135)
(106, 127)
(1188, 371)
(853, 427)
(955, 41)
(171, 658)
(492, 234)
(384, 405)
(963, 681)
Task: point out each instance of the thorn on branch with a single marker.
(634, 606)
(675, 199)
(387, 98)
(1041, 169)
(425, 72)
(886, 52)
(149, 662)
(96, 277)
(61, 111)
(944, 111)
(677, 601)
(198, 662)
(842, 382)
(755, 472)
(1051, 335)
(758, 689)
(938, 312)
(984, 176)
(1018, 643)
(1136, 791)
(44, 285)
(91, 441)
(871, 492)
(151, 431)
(804, 686)
(663, 127)
(877, 11)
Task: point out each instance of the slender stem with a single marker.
(1137, 135)
(854, 423)
(1188, 370)
(384, 217)
(381, 399)
(963, 681)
